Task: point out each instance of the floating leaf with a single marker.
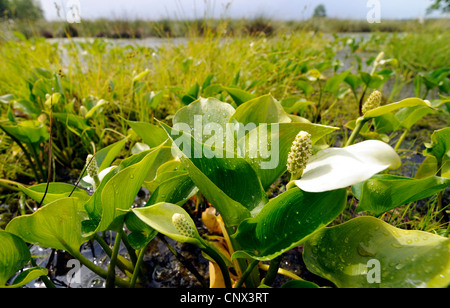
(366, 252)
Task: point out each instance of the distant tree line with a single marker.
(440, 5)
(20, 9)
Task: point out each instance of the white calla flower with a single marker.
(88, 179)
(336, 168)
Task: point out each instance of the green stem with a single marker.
(359, 124)
(272, 272)
(245, 275)
(440, 195)
(253, 280)
(401, 139)
(112, 264)
(122, 263)
(137, 267)
(48, 283)
(218, 259)
(96, 269)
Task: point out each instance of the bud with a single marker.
(301, 151)
(92, 168)
(374, 101)
(182, 225)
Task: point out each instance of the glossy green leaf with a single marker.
(55, 191)
(140, 233)
(162, 154)
(159, 217)
(287, 221)
(176, 190)
(151, 134)
(239, 96)
(263, 109)
(202, 117)
(14, 254)
(31, 132)
(267, 147)
(366, 252)
(429, 168)
(121, 190)
(107, 155)
(384, 192)
(409, 102)
(409, 116)
(56, 225)
(227, 181)
(440, 143)
(28, 275)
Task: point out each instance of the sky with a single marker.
(272, 9)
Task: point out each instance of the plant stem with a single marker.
(272, 272)
(48, 283)
(218, 259)
(112, 264)
(245, 275)
(122, 263)
(359, 124)
(96, 269)
(137, 267)
(401, 139)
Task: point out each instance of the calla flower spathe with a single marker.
(336, 168)
(90, 180)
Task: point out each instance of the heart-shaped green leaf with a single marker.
(263, 109)
(202, 117)
(267, 147)
(120, 191)
(31, 132)
(440, 143)
(239, 96)
(287, 221)
(227, 181)
(384, 192)
(56, 225)
(14, 254)
(176, 190)
(55, 191)
(151, 134)
(369, 253)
